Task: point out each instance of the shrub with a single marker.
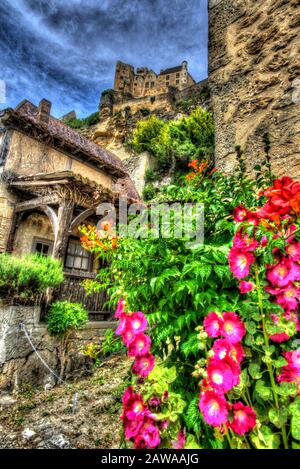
(25, 279)
(149, 191)
(62, 319)
(174, 143)
(83, 123)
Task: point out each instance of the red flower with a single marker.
(143, 365)
(214, 408)
(222, 377)
(233, 328)
(244, 419)
(240, 213)
(240, 262)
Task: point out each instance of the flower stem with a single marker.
(269, 365)
(229, 439)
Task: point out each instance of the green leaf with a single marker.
(263, 391)
(254, 371)
(265, 438)
(294, 409)
(251, 327)
(278, 417)
(287, 389)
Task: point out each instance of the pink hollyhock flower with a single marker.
(137, 322)
(244, 242)
(143, 365)
(135, 408)
(128, 395)
(246, 287)
(212, 324)
(120, 308)
(214, 408)
(240, 262)
(253, 218)
(122, 324)
(279, 338)
(154, 402)
(139, 346)
(283, 273)
(163, 424)
(240, 213)
(290, 373)
(128, 336)
(149, 437)
(244, 418)
(233, 328)
(180, 440)
(293, 251)
(223, 349)
(264, 241)
(288, 297)
(132, 427)
(220, 375)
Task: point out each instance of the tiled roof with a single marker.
(171, 70)
(25, 118)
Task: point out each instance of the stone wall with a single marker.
(7, 203)
(254, 78)
(152, 103)
(20, 366)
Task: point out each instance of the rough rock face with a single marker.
(254, 78)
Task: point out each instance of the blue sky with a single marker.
(66, 50)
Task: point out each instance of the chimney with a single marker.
(43, 113)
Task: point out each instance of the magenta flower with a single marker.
(122, 324)
(244, 242)
(135, 408)
(143, 365)
(139, 346)
(148, 437)
(288, 297)
(137, 322)
(132, 427)
(128, 336)
(240, 213)
(120, 308)
(240, 262)
(283, 273)
(279, 338)
(233, 328)
(290, 373)
(212, 325)
(293, 251)
(223, 349)
(214, 408)
(246, 287)
(244, 418)
(128, 395)
(221, 376)
(180, 440)
(154, 402)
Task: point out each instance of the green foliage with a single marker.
(149, 191)
(64, 316)
(92, 119)
(25, 279)
(111, 343)
(175, 143)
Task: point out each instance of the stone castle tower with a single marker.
(145, 82)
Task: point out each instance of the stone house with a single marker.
(51, 181)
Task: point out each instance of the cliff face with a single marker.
(254, 80)
(117, 122)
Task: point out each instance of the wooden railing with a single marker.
(72, 290)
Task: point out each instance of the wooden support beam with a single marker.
(65, 215)
(81, 217)
(37, 202)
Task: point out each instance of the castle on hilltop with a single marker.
(145, 82)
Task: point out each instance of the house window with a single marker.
(42, 246)
(152, 84)
(147, 84)
(168, 77)
(77, 258)
(177, 75)
(168, 83)
(177, 82)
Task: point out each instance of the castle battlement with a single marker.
(143, 81)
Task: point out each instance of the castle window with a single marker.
(147, 84)
(177, 82)
(152, 84)
(177, 75)
(168, 77)
(168, 83)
